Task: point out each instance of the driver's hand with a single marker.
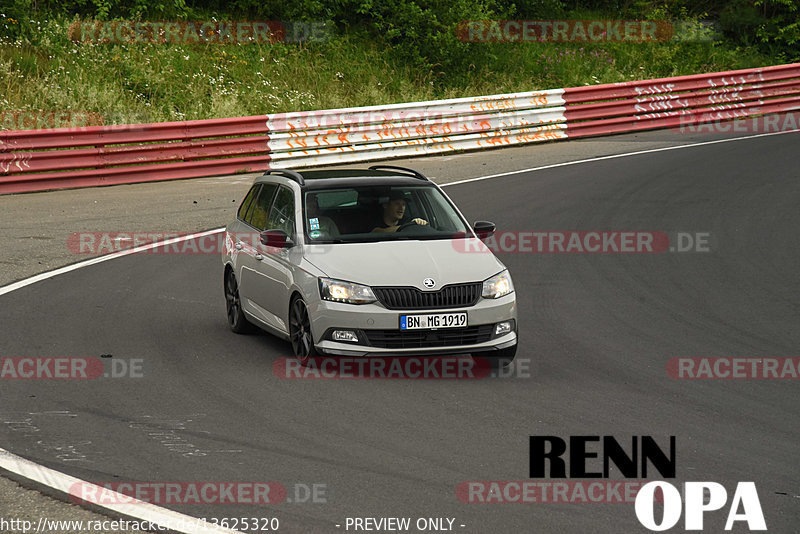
(422, 222)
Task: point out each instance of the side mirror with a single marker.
(276, 239)
(484, 229)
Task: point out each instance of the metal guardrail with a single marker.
(36, 160)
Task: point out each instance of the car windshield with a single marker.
(379, 213)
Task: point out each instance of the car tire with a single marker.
(300, 331)
(233, 305)
(499, 359)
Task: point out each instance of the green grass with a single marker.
(42, 70)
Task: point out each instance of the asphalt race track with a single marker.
(597, 331)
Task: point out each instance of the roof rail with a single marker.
(288, 173)
(405, 170)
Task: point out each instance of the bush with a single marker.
(772, 25)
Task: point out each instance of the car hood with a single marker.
(406, 263)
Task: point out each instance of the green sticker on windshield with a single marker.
(314, 234)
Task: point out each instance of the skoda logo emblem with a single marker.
(429, 282)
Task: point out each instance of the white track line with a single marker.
(156, 514)
(44, 276)
(614, 156)
(100, 259)
(125, 505)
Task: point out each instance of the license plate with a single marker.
(433, 320)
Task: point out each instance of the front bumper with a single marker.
(374, 318)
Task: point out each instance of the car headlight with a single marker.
(497, 286)
(341, 291)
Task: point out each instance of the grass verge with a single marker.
(42, 70)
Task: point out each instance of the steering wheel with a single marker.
(424, 228)
(406, 225)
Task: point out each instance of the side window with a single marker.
(282, 215)
(257, 214)
(246, 202)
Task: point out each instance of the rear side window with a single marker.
(282, 215)
(248, 199)
(259, 208)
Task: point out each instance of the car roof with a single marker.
(336, 178)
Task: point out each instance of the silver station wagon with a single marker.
(372, 262)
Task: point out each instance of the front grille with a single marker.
(415, 339)
(411, 298)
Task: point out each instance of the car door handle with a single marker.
(238, 246)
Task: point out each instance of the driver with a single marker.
(393, 211)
